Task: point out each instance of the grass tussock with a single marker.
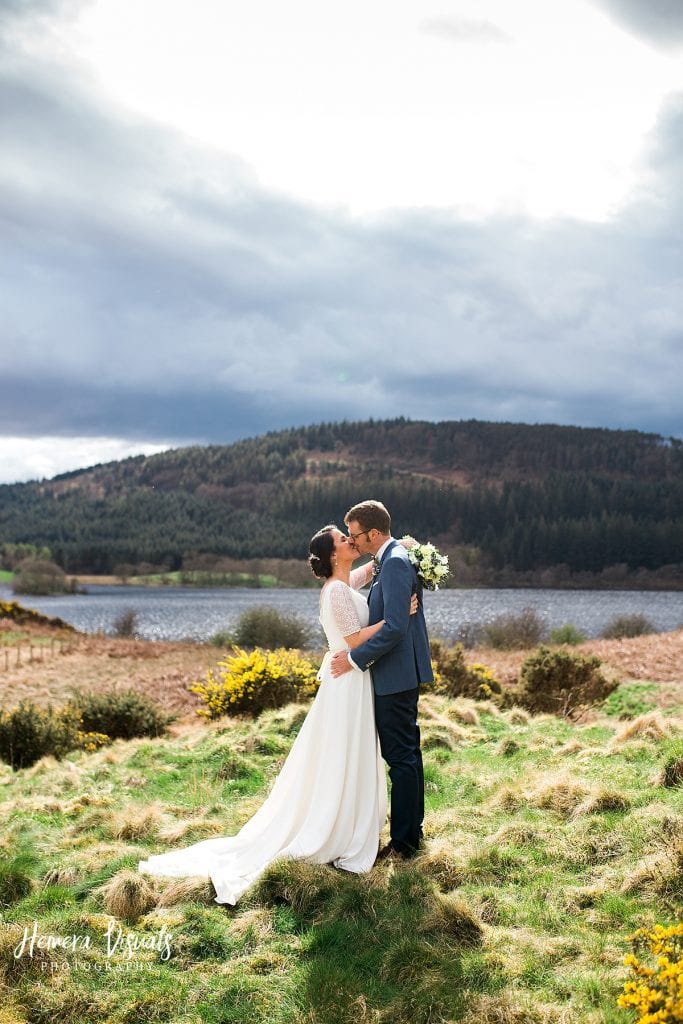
(601, 801)
(136, 822)
(443, 863)
(61, 874)
(442, 737)
(652, 726)
(560, 793)
(188, 890)
(128, 895)
(190, 830)
(464, 712)
(452, 918)
(661, 872)
(518, 716)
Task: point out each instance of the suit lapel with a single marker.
(375, 579)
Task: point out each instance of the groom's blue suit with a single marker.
(399, 659)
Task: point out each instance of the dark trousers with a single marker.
(399, 739)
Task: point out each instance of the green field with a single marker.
(204, 579)
(548, 843)
(6, 576)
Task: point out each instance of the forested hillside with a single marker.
(510, 502)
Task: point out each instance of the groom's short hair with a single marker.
(371, 514)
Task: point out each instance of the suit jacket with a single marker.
(399, 652)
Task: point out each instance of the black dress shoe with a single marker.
(390, 852)
(387, 851)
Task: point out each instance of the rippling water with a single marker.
(175, 613)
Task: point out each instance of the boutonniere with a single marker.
(375, 567)
(430, 565)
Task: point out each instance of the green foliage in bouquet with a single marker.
(430, 565)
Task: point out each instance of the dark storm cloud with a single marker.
(658, 21)
(151, 289)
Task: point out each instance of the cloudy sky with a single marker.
(220, 219)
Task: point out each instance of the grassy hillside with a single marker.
(548, 843)
(510, 502)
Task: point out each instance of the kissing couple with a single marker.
(328, 805)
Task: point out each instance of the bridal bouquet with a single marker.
(431, 566)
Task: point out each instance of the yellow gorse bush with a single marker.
(17, 613)
(656, 994)
(249, 682)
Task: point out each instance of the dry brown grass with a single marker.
(62, 874)
(600, 801)
(559, 792)
(443, 862)
(128, 895)
(453, 918)
(514, 1008)
(463, 711)
(188, 890)
(256, 923)
(192, 829)
(518, 716)
(136, 822)
(652, 726)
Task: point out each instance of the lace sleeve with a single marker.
(359, 577)
(343, 609)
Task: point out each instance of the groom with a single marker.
(400, 660)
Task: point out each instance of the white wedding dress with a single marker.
(329, 802)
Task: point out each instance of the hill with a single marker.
(512, 503)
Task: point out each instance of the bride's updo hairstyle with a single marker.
(321, 551)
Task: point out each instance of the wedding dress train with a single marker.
(329, 802)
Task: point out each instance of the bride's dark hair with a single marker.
(321, 550)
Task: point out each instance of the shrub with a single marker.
(454, 678)
(38, 576)
(560, 681)
(121, 715)
(515, 632)
(22, 616)
(627, 626)
(657, 992)
(263, 626)
(567, 634)
(126, 623)
(28, 733)
(250, 682)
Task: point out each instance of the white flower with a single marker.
(430, 565)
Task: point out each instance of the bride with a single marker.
(329, 802)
